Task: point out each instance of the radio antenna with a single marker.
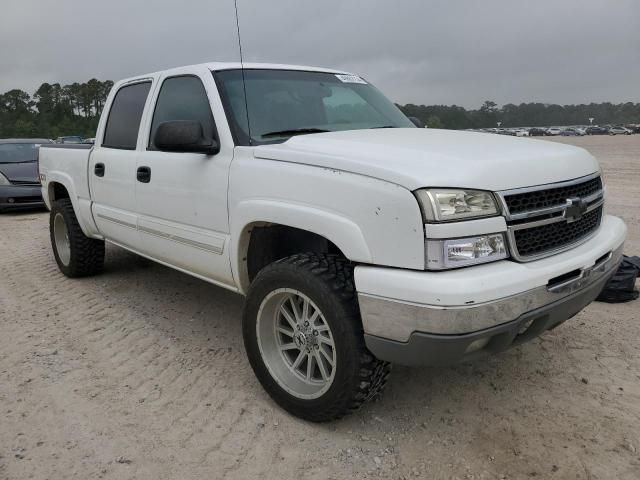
(244, 85)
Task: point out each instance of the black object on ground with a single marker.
(621, 286)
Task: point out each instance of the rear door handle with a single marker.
(144, 174)
(99, 169)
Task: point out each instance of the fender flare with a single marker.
(82, 207)
(339, 230)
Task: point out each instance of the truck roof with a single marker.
(218, 66)
(215, 66)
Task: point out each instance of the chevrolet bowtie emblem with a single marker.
(576, 208)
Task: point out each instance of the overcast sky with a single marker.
(417, 51)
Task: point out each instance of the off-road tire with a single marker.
(328, 281)
(87, 254)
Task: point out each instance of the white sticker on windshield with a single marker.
(350, 79)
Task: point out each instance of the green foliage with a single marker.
(434, 122)
(523, 115)
(53, 110)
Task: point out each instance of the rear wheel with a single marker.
(304, 338)
(76, 254)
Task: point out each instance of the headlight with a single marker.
(442, 205)
(3, 180)
(462, 252)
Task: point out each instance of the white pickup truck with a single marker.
(358, 239)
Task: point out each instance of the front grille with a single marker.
(538, 240)
(552, 197)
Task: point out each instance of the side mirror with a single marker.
(184, 136)
(417, 122)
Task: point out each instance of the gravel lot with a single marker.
(140, 373)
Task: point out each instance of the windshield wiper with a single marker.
(294, 131)
(385, 126)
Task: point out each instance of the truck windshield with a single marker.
(18, 152)
(283, 103)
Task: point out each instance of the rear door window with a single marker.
(125, 114)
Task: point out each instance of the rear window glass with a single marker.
(125, 115)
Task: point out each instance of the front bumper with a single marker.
(441, 318)
(20, 196)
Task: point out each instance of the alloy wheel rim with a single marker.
(296, 343)
(61, 236)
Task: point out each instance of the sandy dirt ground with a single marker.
(140, 373)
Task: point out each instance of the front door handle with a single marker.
(99, 169)
(144, 174)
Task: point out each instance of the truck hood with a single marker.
(20, 172)
(418, 157)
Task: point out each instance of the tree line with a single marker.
(53, 110)
(524, 115)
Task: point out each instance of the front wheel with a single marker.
(304, 339)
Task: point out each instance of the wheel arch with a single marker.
(287, 229)
(56, 191)
(59, 186)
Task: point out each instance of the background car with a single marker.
(19, 180)
(572, 132)
(537, 132)
(596, 130)
(90, 141)
(69, 139)
(618, 130)
(554, 131)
